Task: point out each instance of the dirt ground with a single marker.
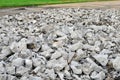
(98, 5)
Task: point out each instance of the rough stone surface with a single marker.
(60, 44)
(116, 63)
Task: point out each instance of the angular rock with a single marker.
(98, 76)
(18, 62)
(51, 73)
(76, 46)
(76, 67)
(56, 55)
(57, 64)
(94, 65)
(102, 59)
(116, 63)
(10, 70)
(21, 70)
(28, 63)
(2, 70)
(61, 75)
(5, 52)
(87, 68)
(80, 54)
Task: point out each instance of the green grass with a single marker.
(16, 3)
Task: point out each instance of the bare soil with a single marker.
(88, 5)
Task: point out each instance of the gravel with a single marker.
(60, 44)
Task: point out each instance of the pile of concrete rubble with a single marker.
(60, 44)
